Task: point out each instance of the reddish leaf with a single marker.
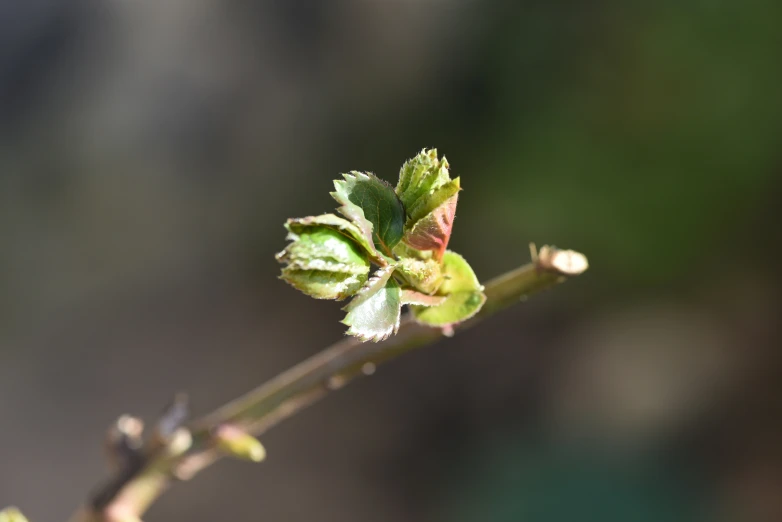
(434, 230)
(411, 297)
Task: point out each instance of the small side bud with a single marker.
(12, 514)
(123, 441)
(238, 443)
(179, 442)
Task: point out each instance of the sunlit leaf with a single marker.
(404, 230)
(437, 197)
(365, 198)
(322, 262)
(464, 294)
(419, 176)
(433, 231)
(430, 196)
(375, 312)
(347, 228)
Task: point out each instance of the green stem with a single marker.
(312, 379)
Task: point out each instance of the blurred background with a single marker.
(151, 150)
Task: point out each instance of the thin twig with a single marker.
(127, 496)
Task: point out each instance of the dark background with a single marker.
(150, 151)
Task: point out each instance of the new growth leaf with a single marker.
(404, 232)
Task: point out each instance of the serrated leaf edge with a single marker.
(373, 284)
(343, 226)
(355, 213)
(344, 283)
(424, 207)
(378, 281)
(350, 210)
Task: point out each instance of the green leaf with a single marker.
(11, 514)
(437, 197)
(458, 275)
(347, 228)
(421, 175)
(430, 196)
(464, 294)
(322, 262)
(456, 308)
(375, 312)
(365, 199)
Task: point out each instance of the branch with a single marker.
(177, 452)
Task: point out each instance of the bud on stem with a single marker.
(238, 443)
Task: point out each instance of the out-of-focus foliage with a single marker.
(652, 134)
(537, 484)
(12, 514)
